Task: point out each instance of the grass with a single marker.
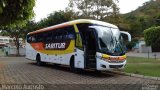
(143, 66)
(142, 60)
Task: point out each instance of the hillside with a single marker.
(146, 16)
(148, 8)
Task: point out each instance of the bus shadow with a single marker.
(91, 73)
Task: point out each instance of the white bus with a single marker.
(81, 44)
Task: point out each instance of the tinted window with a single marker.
(40, 37)
(65, 33)
(31, 38)
(48, 36)
(60, 34)
(28, 38)
(70, 32)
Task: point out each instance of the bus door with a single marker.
(79, 52)
(90, 52)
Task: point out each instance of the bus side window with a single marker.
(33, 38)
(40, 37)
(71, 32)
(48, 36)
(65, 35)
(29, 38)
(53, 36)
(71, 36)
(58, 36)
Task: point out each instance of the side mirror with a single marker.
(128, 35)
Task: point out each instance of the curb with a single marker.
(136, 75)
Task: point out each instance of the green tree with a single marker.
(105, 10)
(15, 33)
(15, 12)
(30, 26)
(152, 37)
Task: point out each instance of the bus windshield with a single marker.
(110, 40)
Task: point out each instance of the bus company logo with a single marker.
(55, 46)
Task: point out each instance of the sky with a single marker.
(44, 7)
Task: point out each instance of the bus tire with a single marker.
(38, 60)
(72, 67)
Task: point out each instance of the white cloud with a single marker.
(130, 5)
(45, 7)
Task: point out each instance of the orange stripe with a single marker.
(38, 46)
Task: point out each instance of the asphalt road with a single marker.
(20, 71)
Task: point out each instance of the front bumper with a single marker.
(104, 65)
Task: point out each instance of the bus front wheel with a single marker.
(73, 68)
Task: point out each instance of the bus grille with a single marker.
(115, 66)
(115, 61)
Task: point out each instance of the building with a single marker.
(141, 46)
(4, 40)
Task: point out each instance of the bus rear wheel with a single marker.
(39, 62)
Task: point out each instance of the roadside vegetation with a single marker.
(152, 38)
(143, 66)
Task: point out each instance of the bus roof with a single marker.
(72, 23)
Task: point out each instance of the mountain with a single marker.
(145, 16)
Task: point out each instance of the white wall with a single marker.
(13, 51)
(145, 49)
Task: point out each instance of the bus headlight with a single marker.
(113, 59)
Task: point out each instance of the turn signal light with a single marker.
(104, 56)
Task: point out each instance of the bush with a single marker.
(152, 38)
